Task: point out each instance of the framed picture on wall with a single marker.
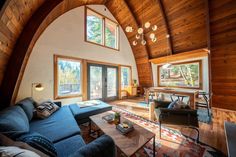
(181, 75)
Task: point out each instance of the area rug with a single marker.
(172, 144)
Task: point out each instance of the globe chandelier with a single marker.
(140, 36)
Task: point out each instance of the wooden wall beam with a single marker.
(208, 46)
(181, 56)
(19, 52)
(166, 23)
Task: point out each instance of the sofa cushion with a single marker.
(39, 142)
(85, 112)
(46, 109)
(68, 146)
(13, 122)
(28, 105)
(58, 126)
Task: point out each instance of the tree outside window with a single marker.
(68, 76)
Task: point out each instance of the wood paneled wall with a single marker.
(223, 52)
(184, 20)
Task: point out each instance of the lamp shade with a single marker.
(39, 87)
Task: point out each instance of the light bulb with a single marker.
(129, 29)
(143, 42)
(134, 43)
(137, 36)
(154, 28)
(154, 39)
(167, 36)
(147, 24)
(140, 30)
(152, 35)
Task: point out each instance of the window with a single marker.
(184, 75)
(125, 77)
(94, 27)
(111, 33)
(101, 30)
(67, 75)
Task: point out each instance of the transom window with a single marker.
(67, 74)
(101, 30)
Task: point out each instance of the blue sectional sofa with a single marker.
(60, 128)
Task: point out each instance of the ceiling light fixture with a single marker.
(141, 32)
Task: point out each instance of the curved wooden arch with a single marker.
(47, 13)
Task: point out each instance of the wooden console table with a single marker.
(190, 93)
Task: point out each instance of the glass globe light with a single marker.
(131, 29)
(147, 24)
(140, 30)
(127, 29)
(137, 36)
(154, 39)
(134, 43)
(143, 42)
(154, 28)
(152, 35)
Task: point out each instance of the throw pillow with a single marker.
(180, 105)
(39, 142)
(28, 105)
(16, 152)
(13, 122)
(172, 104)
(45, 109)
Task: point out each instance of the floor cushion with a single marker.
(60, 125)
(68, 146)
(85, 112)
(13, 122)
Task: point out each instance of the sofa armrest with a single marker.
(103, 146)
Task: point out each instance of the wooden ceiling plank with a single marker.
(163, 13)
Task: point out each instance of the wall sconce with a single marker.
(36, 86)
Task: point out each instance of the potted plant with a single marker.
(117, 118)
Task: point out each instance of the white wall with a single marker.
(205, 73)
(65, 36)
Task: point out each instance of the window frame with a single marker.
(180, 63)
(104, 18)
(56, 58)
(126, 66)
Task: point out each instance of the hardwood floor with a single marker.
(211, 134)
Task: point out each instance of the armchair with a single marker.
(183, 117)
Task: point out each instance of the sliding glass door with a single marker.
(102, 82)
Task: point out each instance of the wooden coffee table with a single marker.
(129, 143)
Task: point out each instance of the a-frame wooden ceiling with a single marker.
(22, 22)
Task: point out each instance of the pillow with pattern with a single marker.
(45, 109)
(39, 142)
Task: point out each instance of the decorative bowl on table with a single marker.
(125, 127)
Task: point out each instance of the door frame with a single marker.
(104, 81)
